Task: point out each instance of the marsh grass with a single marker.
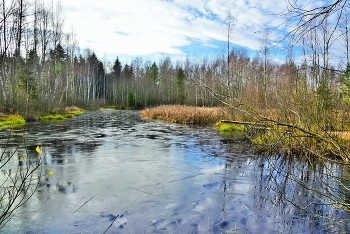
(186, 114)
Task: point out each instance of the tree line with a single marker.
(42, 68)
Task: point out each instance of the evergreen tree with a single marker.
(117, 68)
(180, 82)
(127, 72)
(154, 72)
(58, 53)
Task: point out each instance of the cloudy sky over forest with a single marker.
(153, 28)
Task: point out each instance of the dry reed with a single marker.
(186, 114)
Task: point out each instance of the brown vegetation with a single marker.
(72, 108)
(186, 114)
(272, 133)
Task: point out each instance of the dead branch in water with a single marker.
(265, 121)
(111, 224)
(244, 123)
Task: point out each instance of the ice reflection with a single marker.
(288, 193)
(170, 178)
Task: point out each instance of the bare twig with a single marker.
(86, 202)
(111, 224)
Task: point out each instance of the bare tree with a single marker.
(265, 48)
(304, 17)
(229, 26)
(57, 22)
(345, 31)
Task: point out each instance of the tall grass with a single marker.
(186, 114)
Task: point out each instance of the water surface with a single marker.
(159, 177)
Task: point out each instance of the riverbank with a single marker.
(269, 137)
(69, 112)
(11, 120)
(17, 120)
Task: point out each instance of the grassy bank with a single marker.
(16, 120)
(69, 112)
(11, 120)
(186, 114)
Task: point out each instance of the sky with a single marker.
(153, 29)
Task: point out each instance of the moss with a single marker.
(62, 116)
(12, 120)
(53, 117)
(229, 127)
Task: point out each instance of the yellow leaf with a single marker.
(50, 173)
(21, 159)
(11, 186)
(38, 149)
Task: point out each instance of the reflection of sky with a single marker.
(157, 176)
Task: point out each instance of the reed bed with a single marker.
(268, 137)
(186, 114)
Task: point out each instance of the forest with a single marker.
(43, 68)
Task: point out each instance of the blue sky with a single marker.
(152, 29)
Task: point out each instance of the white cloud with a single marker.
(141, 28)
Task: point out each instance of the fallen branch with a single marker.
(244, 123)
(269, 122)
(111, 224)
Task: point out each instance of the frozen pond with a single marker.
(159, 177)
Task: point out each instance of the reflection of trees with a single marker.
(66, 188)
(63, 153)
(314, 187)
(20, 177)
(299, 191)
(22, 169)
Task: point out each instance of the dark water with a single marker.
(160, 177)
